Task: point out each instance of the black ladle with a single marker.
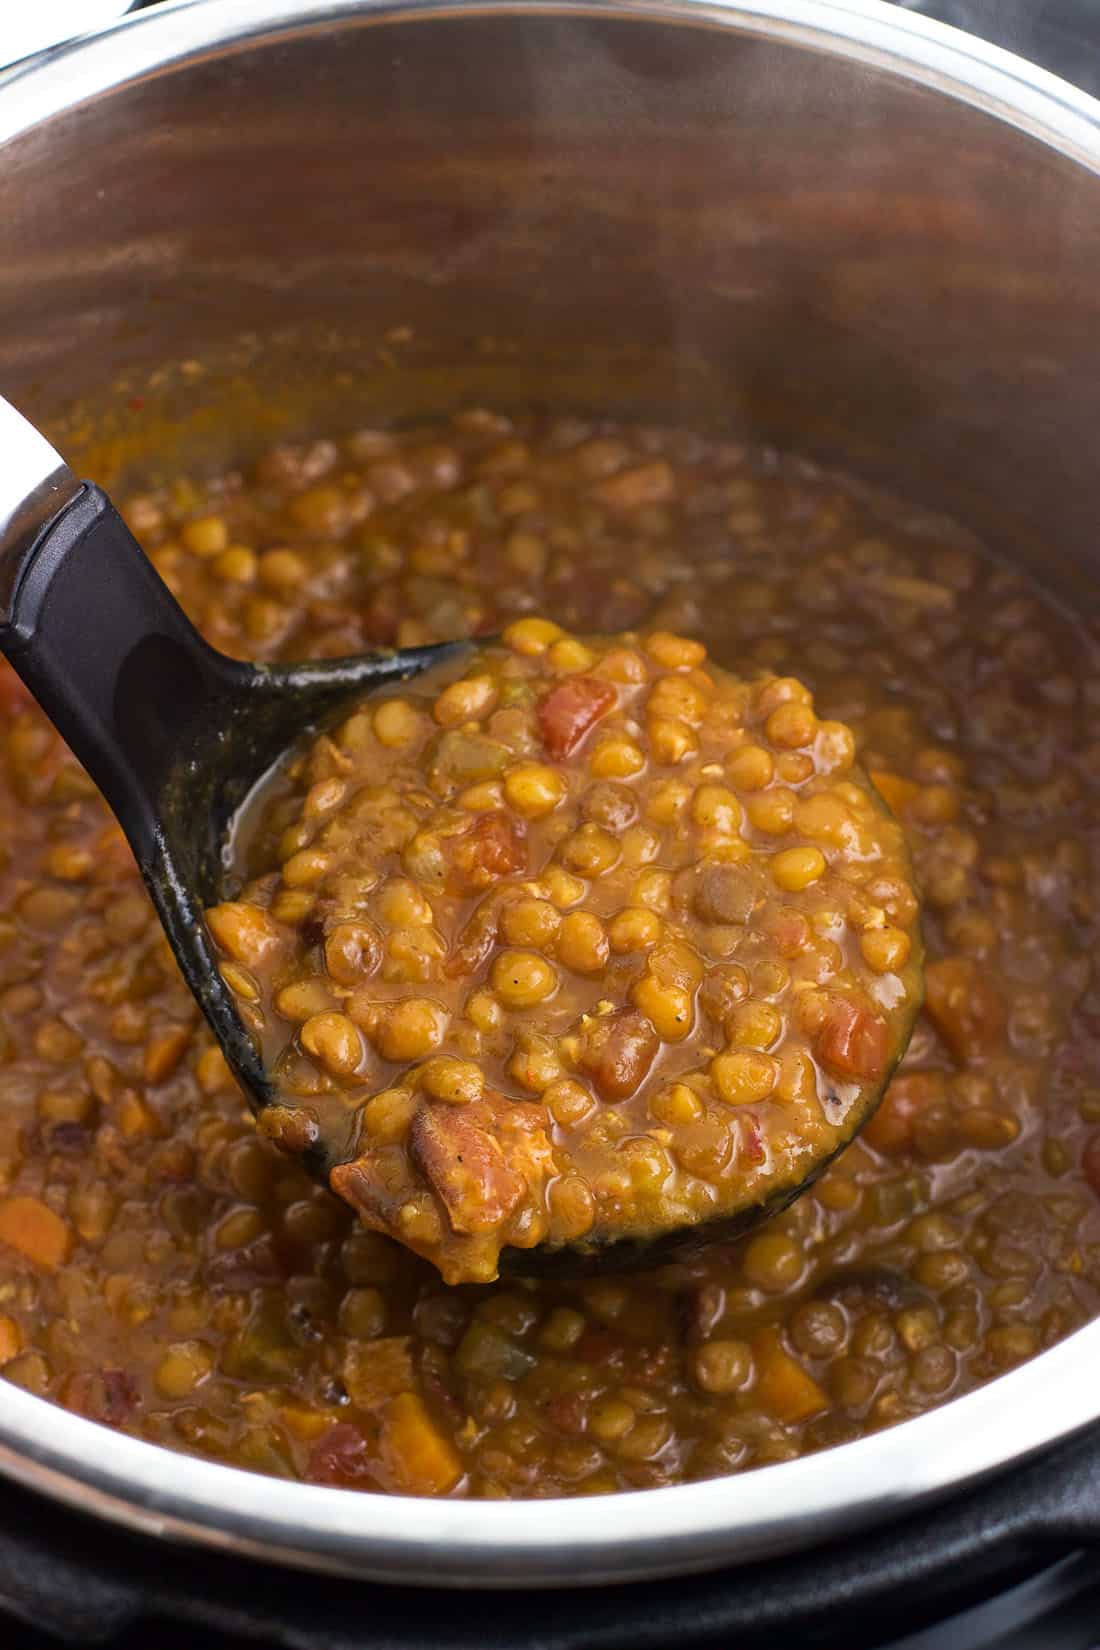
(175, 735)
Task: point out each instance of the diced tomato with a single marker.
(567, 1413)
(852, 1040)
(753, 1149)
(109, 1395)
(495, 848)
(790, 930)
(569, 710)
(341, 1457)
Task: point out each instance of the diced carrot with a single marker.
(417, 1455)
(306, 1424)
(896, 792)
(783, 1387)
(963, 1006)
(11, 1339)
(31, 1227)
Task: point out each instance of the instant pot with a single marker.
(831, 223)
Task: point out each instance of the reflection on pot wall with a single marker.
(570, 208)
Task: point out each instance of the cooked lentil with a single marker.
(143, 1218)
(427, 901)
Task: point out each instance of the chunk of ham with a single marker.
(456, 1150)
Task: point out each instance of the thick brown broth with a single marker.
(163, 1270)
(574, 941)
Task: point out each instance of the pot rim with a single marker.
(639, 1534)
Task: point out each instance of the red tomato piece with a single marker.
(495, 848)
(853, 1041)
(753, 1149)
(341, 1457)
(570, 709)
(109, 1395)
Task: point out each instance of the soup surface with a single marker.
(165, 1271)
(570, 942)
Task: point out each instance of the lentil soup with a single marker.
(572, 942)
(164, 1270)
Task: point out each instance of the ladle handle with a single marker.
(110, 655)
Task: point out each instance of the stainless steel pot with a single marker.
(825, 222)
(30, 29)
